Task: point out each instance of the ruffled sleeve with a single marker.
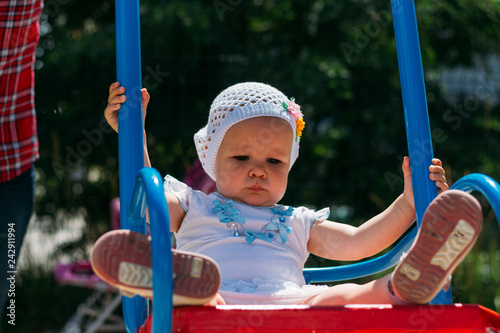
(310, 215)
(179, 189)
(320, 215)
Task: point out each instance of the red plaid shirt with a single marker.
(19, 33)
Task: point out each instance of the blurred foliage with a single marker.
(42, 305)
(337, 58)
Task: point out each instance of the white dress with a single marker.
(261, 251)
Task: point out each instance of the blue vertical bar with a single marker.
(149, 189)
(414, 103)
(130, 134)
(415, 109)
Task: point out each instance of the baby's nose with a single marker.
(257, 171)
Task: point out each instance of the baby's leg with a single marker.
(373, 292)
(217, 300)
(449, 228)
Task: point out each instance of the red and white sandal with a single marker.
(448, 231)
(122, 258)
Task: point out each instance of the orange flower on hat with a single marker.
(300, 123)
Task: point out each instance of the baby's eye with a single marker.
(273, 161)
(241, 158)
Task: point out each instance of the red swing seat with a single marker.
(456, 318)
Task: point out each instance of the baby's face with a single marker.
(253, 161)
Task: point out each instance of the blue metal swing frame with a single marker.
(148, 188)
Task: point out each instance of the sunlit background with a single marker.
(337, 58)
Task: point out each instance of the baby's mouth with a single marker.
(256, 188)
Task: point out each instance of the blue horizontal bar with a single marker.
(361, 269)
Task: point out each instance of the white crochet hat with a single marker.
(237, 103)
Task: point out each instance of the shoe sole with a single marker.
(123, 259)
(448, 231)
